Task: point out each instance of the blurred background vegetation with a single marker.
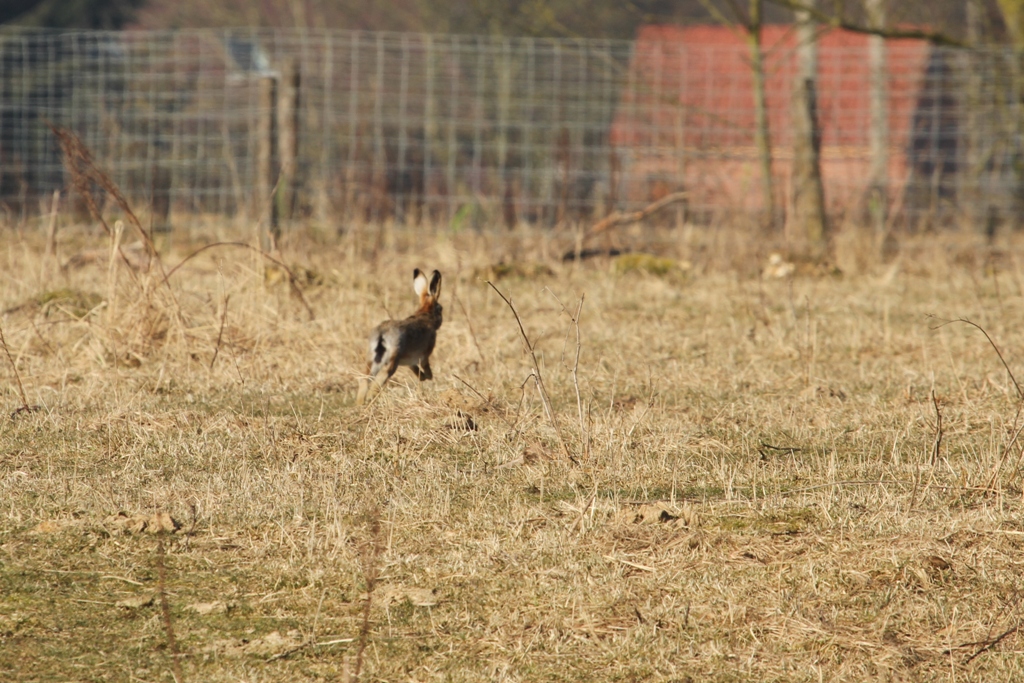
(555, 18)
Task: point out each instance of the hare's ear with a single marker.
(419, 282)
(435, 285)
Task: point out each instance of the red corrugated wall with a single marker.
(687, 113)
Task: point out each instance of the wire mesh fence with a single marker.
(481, 131)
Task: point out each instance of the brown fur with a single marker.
(406, 342)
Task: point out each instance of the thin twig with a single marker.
(988, 645)
(292, 650)
(938, 429)
(1020, 392)
(538, 380)
(165, 609)
(220, 334)
(786, 449)
(115, 246)
(292, 279)
(371, 572)
(583, 513)
(40, 337)
(574, 370)
(485, 400)
(307, 644)
(469, 323)
(25, 407)
(841, 22)
(51, 233)
(913, 491)
(1006, 451)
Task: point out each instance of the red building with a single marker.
(686, 120)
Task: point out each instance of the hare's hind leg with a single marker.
(423, 370)
(376, 378)
(381, 378)
(364, 386)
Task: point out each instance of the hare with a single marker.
(405, 342)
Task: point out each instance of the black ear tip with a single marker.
(415, 273)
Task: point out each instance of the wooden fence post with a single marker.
(288, 145)
(267, 167)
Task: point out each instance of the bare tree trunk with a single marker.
(762, 133)
(878, 185)
(808, 194)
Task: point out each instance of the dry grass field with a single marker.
(748, 484)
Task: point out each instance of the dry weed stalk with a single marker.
(943, 323)
(992, 642)
(51, 235)
(220, 332)
(938, 429)
(115, 246)
(25, 407)
(84, 172)
(372, 550)
(537, 378)
(1020, 403)
(574, 318)
(293, 280)
(469, 324)
(165, 610)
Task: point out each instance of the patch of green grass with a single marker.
(74, 301)
(651, 265)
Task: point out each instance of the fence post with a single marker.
(160, 181)
(508, 200)
(429, 130)
(288, 145)
(972, 64)
(401, 189)
(267, 168)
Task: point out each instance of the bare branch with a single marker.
(293, 281)
(574, 318)
(840, 21)
(25, 407)
(619, 218)
(220, 334)
(536, 374)
(718, 16)
(938, 429)
(989, 644)
(1020, 393)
